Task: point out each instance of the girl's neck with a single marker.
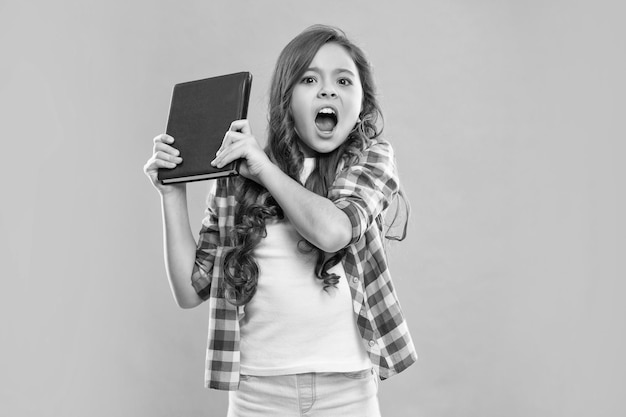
(307, 167)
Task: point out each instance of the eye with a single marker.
(308, 80)
(345, 81)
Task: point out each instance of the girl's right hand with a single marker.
(163, 156)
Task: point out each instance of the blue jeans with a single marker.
(325, 394)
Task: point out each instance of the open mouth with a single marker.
(326, 119)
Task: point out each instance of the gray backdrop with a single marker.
(507, 118)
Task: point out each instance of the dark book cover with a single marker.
(200, 115)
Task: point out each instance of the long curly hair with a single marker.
(255, 205)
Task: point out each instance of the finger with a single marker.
(233, 152)
(163, 156)
(159, 163)
(235, 136)
(225, 142)
(242, 126)
(230, 137)
(154, 164)
(163, 138)
(160, 146)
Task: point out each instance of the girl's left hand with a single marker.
(239, 143)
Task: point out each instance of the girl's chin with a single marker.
(321, 148)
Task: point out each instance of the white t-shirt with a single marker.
(292, 325)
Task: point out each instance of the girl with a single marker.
(303, 315)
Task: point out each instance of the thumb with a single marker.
(242, 126)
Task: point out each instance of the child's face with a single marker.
(326, 101)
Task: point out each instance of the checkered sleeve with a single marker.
(206, 248)
(364, 190)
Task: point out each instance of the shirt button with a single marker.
(372, 343)
(355, 280)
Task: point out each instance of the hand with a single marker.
(163, 156)
(240, 144)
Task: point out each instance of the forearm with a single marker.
(179, 248)
(315, 217)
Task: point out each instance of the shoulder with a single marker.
(375, 151)
(373, 167)
(379, 145)
(377, 155)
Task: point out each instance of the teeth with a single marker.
(327, 110)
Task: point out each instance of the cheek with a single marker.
(361, 102)
(356, 103)
(297, 110)
(356, 108)
(298, 119)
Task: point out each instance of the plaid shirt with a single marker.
(363, 191)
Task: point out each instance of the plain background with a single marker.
(507, 119)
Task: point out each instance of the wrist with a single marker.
(173, 191)
(268, 174)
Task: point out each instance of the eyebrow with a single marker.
(336, 71)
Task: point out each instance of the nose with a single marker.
(327, 91)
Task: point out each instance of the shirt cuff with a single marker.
(355, 218)
(201, 282)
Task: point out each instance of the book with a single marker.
(200, 114)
